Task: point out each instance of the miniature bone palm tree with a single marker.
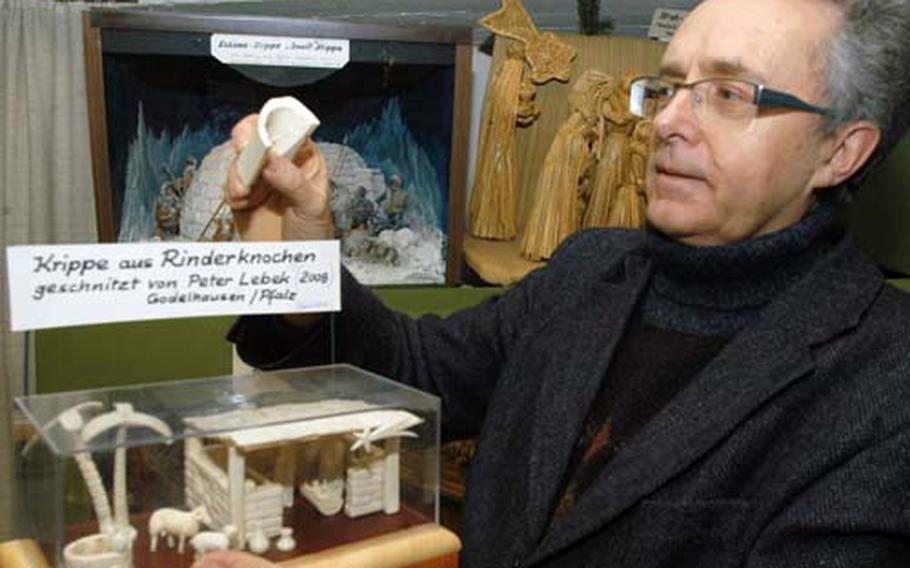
(71, 420)
(122, 418)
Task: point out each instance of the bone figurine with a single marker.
(259, 542)
(207, 541)
(174, 522)
(286, 541)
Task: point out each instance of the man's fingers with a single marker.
(240, 197)
(306, 152)
(282, 174)
(243, 131)
(235, 193)
(310, 160)
(231, 559)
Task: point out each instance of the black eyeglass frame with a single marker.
(763, 97)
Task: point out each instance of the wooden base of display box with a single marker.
(22, 553)
(421, 546)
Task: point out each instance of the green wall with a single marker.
(75, 358)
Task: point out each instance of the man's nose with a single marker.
(678, 118)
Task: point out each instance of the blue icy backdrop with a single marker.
(160, 114)
(155, 158)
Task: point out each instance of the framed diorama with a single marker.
(393, 102)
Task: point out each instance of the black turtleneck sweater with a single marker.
(696, 300)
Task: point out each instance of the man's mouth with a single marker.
(673, 170)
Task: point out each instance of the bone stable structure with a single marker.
(349, 455)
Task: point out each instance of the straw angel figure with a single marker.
(628, 209)
(493, 194)
(613, 158)
(556, 209)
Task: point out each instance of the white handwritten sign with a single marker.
(665, 22)
(283, 51)
(52, 286)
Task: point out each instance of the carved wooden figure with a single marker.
(207, 541)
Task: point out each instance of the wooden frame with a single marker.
(167, 33)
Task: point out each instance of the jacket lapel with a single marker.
(586, 339)
(757, 363)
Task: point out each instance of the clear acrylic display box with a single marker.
(324, 455)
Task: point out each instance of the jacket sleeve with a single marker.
(457, 358)
(856, 516)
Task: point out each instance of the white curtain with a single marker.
(45, 166)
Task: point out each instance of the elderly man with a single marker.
(730, 387)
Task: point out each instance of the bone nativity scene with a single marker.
(244, 472)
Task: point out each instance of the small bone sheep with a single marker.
(207, 541)
(174, 522)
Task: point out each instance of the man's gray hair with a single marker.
(868, 71)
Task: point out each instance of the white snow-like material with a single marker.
(420, 260)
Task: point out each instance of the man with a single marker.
(730, 387)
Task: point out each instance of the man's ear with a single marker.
(850, 148)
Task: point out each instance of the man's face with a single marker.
(711, 182)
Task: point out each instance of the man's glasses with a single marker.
(734, 100)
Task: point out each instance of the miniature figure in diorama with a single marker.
(568, 168)
(224, 228)
(286, 541)
(112, 545)
(169, 523)
(324, 488)
(207, 541)
(189, 172)
(258, 543)
(394, 203)
(373, 222)
(613, 164)
(169, 202)
(361, 210)
(167, 212)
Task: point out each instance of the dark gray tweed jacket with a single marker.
(791, 448)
